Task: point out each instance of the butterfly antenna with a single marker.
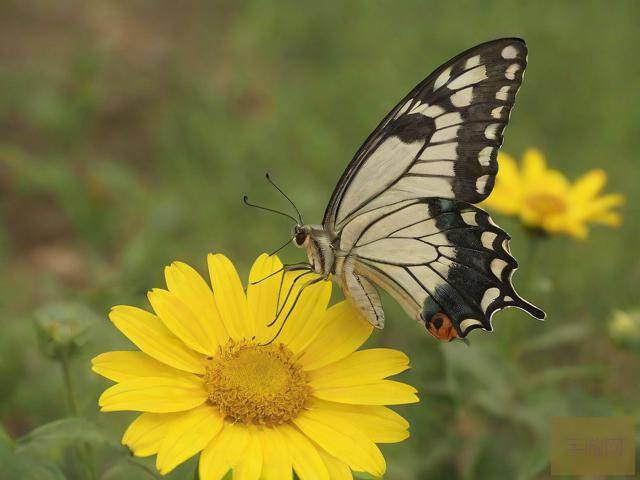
(280, 247)
(285, 196)
(245, 199)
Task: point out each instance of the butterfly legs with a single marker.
(280, 310)
(287, 267)
(307, 269)
(300, 267)
(313, 281)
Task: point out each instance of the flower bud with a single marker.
(624, 328)
(63, 328)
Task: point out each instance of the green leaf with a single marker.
(128, 468)
(41, 470)
(23, 467)
(363, 476)
(64, 432)
(5, 440)
(536, 462)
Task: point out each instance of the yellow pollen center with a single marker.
(256, 384)
(545, 204)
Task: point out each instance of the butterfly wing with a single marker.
(440, 259)
(441, 140)
(401, 211)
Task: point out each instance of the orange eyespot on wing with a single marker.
(440, 326)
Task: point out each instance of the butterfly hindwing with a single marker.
(441, 140)
(440, 259)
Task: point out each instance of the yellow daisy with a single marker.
(208, 380)
(543, 198)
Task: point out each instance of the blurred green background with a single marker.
(129, 132)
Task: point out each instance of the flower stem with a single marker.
(66, 373)
(141, 466)
(531, 261)
(84, 452)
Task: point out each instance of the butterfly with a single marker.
(403, 217)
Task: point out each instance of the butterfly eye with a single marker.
(300, 237)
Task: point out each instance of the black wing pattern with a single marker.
(441, 140)
(402, 212)
(439, 257)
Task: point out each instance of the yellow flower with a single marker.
(208, 380)
(625, 326)
(543, 198)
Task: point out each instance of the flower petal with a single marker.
(382, 392)
(249, 467)
(306, 317)
(344, 330)
(276, 463)
(533, 165)
(342, 440)
(507, 192)
(223, 452)
(338, 470)
(305, 457)
(262, 296)
(577, 230)
(181, 321)
(150, 335)
(599, 210)
(145, 434)
(380, 424)
(230, 297)
(508, 172)
(124, 365)
(588, 185)
(607, 202)
(609, 219)
(189, 433)
(188, 285)
(363, 366)
(153, 394)
(502, 201)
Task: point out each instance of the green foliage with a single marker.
(63, 433)
(16, 464)
(131, 130)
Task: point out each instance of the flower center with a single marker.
(256, 384)
(545, 204)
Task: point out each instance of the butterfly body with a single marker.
(402, 217)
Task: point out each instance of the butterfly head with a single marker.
(300, 236)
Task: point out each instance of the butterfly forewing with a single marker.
(439, 141)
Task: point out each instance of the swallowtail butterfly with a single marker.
(402, 217)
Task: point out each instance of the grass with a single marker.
(130, 132)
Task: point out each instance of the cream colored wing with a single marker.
(438, 258)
